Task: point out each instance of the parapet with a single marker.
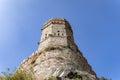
(57, 21)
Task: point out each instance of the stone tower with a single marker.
(58, 57)
(55, 33)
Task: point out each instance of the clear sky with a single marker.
(95, 23)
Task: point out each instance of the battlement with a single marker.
(29, 60)
(57, 21)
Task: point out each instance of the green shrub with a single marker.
(18, 75)
(103, 78)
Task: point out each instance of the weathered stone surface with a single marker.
(57, 56)
(71, 75)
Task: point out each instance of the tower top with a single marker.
(56, 32)
(56, 21)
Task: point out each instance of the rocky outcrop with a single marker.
(71, 75)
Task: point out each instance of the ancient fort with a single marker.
(58, 57)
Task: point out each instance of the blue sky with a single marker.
(95, 23)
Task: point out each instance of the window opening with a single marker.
(58, 34)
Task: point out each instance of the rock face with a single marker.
(58, 57)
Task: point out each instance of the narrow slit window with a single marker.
(45, 35)
(58, 34)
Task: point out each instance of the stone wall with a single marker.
(46, 62)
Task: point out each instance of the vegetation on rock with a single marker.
(18, 75)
